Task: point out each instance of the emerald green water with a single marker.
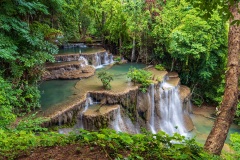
(204, 125)
(55, 92)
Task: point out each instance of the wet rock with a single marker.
(97, 118)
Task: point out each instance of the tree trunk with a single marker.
(218, 134)
(133, 56)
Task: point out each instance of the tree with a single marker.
(23, 51)
(218, 134)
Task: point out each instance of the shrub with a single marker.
(140, 76)
(88, 40)
(105, 78)
(160, 67)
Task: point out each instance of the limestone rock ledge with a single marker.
(69, 71)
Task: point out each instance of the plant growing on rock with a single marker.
(160, 67)
(140, 76)
(105, 78)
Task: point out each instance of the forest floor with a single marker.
(67, 152)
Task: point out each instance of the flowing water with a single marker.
(79, 50)
(171, 110)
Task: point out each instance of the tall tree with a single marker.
(218, 134)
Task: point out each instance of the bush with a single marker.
(140, 76)
(105, 78)
(88, 40)
(160, 67)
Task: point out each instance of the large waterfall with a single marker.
(163, 110)
(171, 111)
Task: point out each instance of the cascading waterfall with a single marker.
(88, 102)
(152, 109)
(97, 61)
(110, 59)
(83, 60)
(105, 58)
(123, 124)
(171, 110)
(118, 122)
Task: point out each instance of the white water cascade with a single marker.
(88, 102)
(171, 112)
(107, 59)
(96, 62)
(152, 109)
(83, 60)
(123, 124)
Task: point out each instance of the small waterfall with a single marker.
(171, 110)
(105, 58)
(152, 109)
(88, 102)
(96, 62)
(123, 124)
(118, 122)
(83, 60)
(110, 59)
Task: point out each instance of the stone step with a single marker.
(158, 76)
(172, 74)
(175, 81)
(68, 72)
(184, 92)
(52, 66)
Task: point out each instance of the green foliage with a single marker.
(117, 59)
(105, 78)
(140, 76)
(160, 67)
(144, 146)
(195, 47)
(235, 143)
(115, 145)
(88, 40)
(7, 96)
(31, 124)
(19, 142)
(23, 51)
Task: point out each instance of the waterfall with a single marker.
(88, 102)
(171, 110)
(123, 123)
(152, 110)
(118, 122)
(105, 58)
(96, 62)
(110, 59)
(83, 60)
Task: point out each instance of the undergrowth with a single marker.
(115, 145)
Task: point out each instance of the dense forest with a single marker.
(174, 33)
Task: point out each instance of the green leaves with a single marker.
(140, 76)
(105, 78)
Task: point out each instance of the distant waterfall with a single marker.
(171, 112)
(83, 61)
(102, 59)
(88, 102)
(105, 58)
(96, 61)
